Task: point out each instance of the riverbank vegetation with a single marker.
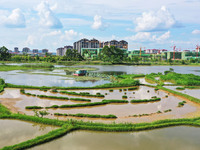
(158, 112)
(103, 102)
(71, 125)
(87, 115)
(145, 100)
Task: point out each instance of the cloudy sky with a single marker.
(56, 23)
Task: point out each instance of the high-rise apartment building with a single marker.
(93, 43)
(25, 50)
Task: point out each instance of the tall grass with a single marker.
(145, 100)
(42, 139)
(180, 94)
(87, 115)
(182, 79)
(82, 94)
(103, 102)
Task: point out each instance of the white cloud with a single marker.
(141, 36)
(155, 21)
(15, 20)
(70, 35)
(196, 32)
(148, 37)
(47, 17)
(98, 24)
(30, 40)
(163, 37)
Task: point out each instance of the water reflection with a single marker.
(175, 138)
(14, 131)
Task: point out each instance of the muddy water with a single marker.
(14, 131)
(13, 99)
(21, 77)
(145, 69)
(191, 92)
(26, 78)
(175, 138)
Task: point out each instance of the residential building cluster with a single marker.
(28, 51)
(92, 48)
(92, 45)
(61, 51)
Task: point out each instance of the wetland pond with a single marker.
(173, 138)
(179, 138)
(57, 77)
(14, 100)
(15, 131)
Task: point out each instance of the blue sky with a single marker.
(52, 24)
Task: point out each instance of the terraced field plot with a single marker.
(125, 112)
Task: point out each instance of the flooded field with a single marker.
(191, 92)
(179, 138)
(14, 131)
(55, 77)
(13, 99)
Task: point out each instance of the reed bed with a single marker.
(87, 115)
(145, 100)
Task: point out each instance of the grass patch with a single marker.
(180, 94)
(82, 94)
(181, 104)
(180, 88)
(181, 79)
(53, 97)
(124, 96)
(103, 102)
(87, 115)
(145, 100)
(80, 99)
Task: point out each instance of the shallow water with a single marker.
(21, 77)
(25, 78)
(15, 131)
(17, 103)
(191, 92)
(145, 69)
(174, 138)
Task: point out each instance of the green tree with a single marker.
(4, 54)
(72, 54)
(112, 54)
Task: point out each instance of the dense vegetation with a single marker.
(181, 79)
(145, 100)
(103, 102)
(87, 115)
(82, 94)
(70, 125)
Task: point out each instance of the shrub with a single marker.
(180, 88)
(145, 100)
(124, 96)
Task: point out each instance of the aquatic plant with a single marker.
(145, 100)
(180, 88)
(81, 94)
(181, 104)
(80, 99)
(124, 96)
(87, 115)
(181, 79)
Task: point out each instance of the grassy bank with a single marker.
(87, 115)
(25, 67)
(42, 139)
(103, 102)
(82, 94)
(145, 100)
(180, 94)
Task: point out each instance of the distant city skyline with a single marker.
(52, 24)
